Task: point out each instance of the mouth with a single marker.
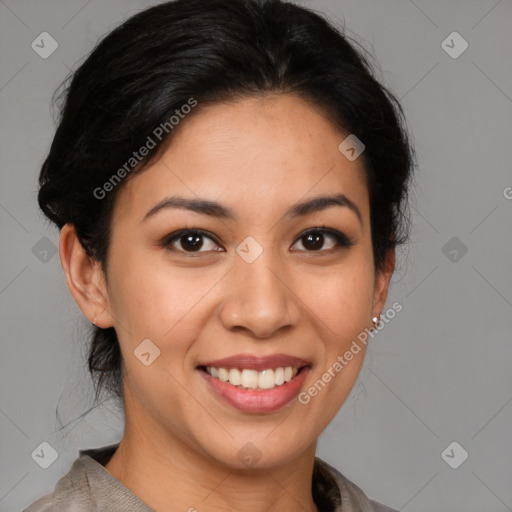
(250, 379)
(255, 384)
(248, 396)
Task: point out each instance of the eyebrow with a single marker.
(214, 209)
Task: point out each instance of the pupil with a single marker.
(316, 239)
(192, 241)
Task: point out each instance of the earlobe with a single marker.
(382, 280)
(84, 278)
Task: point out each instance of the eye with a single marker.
(191, 240)
(314, 239)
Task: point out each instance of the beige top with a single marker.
(89, 487)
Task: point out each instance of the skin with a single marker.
(258, 156)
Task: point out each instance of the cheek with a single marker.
(146, 295)
(342, 297)
(161, 302)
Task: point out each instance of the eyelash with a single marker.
(343, 242)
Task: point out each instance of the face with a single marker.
(250, 276)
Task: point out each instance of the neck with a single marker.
(168, 475)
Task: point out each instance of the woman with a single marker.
(230, 184)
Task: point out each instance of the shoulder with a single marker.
(353, 498)
(89, 487)
(56, 502)
(72, 493)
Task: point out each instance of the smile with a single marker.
(252, 379)
(248, 396)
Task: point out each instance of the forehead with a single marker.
(253, 155)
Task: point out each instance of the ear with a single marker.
(85, 278)
(382, 280)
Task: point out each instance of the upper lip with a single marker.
(259, 363)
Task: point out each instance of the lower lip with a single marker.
(257, 401)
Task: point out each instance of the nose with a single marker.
(259, 297)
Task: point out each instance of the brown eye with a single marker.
(190, 241)
(315, 239)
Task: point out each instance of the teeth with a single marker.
(223, 375)
(235, 376)
(249, 379)
(279, 376)
(252, 379)
(266, 379)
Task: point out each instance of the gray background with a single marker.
(438, 373)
